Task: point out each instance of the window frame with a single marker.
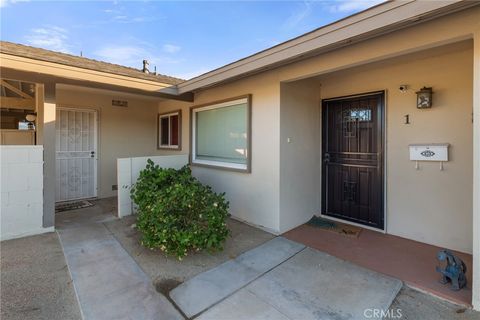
(245, 168)
(169, 114)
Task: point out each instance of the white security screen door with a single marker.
(76, 154)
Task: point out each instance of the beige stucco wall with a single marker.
(427, 205)
(253, 197)
(123, 132)
(300, 133)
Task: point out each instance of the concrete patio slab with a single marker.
(243, 305)
(210, 287)
(312, 285)
(27, 286)
(103, 210)
(410, 261)
(108, 282)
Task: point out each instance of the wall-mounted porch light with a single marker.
(424, 98)
(30, 118)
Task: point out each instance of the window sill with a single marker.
(173, 148)
(244, 168)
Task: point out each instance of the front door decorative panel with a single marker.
(353, 132)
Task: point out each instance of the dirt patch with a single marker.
(164, 286)
(158, 266)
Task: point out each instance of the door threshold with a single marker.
(77, 199)
(384, 231)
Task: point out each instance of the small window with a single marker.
(169, 126)
(221, 134)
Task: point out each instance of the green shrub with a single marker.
(178, 214)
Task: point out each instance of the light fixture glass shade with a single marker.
(31, 117)
(424, 98)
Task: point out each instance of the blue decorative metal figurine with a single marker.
(454, 271)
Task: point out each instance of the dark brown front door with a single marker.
(353, 159)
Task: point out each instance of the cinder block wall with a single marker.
(21, 191)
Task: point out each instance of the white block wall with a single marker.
(128, 171)
(21, 212)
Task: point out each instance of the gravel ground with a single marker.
(35, 282)
(416, 305)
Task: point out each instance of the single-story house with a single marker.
(373, 120)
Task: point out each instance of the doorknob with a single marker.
(92, 154)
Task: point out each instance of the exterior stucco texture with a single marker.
(283, 190)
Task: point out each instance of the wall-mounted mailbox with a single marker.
(429, 152)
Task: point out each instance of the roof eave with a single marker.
(376, 21)
(53, 79)
(73, 72)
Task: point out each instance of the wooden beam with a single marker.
(15, 90)
(17, 103)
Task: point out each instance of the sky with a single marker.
(181, 38)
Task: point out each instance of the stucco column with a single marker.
(476, 172)
(46, 113)
(49, 164)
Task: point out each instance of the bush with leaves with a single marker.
(176, 213)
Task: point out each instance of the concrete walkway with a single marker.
(108, 282)
(284, 280)
(210, 287)
(279, 279)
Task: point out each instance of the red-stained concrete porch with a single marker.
(410, 261)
